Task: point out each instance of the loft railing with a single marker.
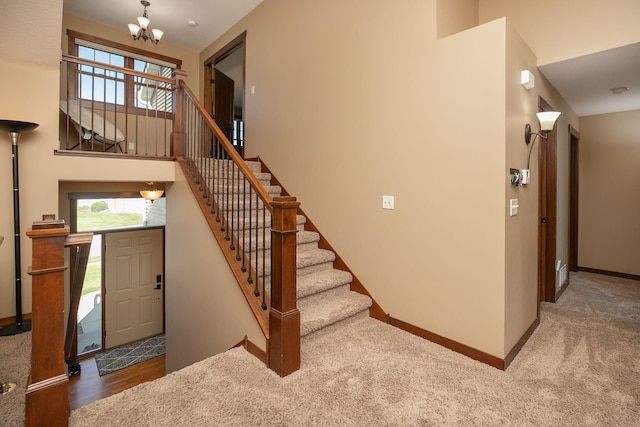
(240, 213)
(109, 109)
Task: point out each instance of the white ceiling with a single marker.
(584, 82)
(214, 17)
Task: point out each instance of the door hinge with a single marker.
(543, 220)
(212, 81)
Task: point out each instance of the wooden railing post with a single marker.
(47, 396)
(177, 145)
(284, 317)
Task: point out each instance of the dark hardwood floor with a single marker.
(89, 386)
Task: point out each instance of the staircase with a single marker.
(323, 293)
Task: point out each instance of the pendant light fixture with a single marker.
(152, 193)
(141, 29)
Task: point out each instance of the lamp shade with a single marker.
(151, 194)
(547, 119)
(133, 29)
(143, 21)
(157, 34)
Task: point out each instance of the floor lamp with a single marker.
(15, 128)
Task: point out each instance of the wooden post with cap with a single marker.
(284, 317)
(47, 395)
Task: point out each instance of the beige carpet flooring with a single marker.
(580, 367)
(15, 365)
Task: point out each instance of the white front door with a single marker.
(133, 286)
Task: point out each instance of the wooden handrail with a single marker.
(128, 71)
(282, 330)
(231, 152)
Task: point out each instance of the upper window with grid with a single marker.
(118, 88)
(98, 84)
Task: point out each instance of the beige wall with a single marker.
(557, 30)
(389, 110)
(454, 16)
(521, 274)
(206, 311)
(28, 83)
(609, 237)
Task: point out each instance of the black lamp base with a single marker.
(15, 329)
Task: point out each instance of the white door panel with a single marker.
(133, 305)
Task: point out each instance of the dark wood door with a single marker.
(223, 93)
(574, 188)
(548, 212)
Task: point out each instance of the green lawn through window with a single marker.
(88, 221)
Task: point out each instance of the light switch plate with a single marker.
(513, 207)
(387, 202)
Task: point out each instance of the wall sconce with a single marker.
(527, 79)
(153, 193)
(547, 120)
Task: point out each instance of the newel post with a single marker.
(284, 317)
(47, 396)
(177, 146)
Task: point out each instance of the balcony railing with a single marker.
(106, 109)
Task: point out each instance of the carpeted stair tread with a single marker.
(321, 281)
(235, 187)
(313, 257)
(326, 308)
(245, 220)
(305, 240)
(312, 260)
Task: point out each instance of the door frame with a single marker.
(547, 211)
(228, 49)
(73, 197)
(574, 192)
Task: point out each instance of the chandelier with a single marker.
(140, 31)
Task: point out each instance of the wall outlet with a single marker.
(387, 202)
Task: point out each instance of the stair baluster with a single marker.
(217, 175)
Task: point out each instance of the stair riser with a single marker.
(259, 245)
(254, 167)
(299, 272)
(243, 223)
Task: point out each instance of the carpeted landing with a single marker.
(580, 367)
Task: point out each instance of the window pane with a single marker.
(150, 93)
(93, 85)
(108, 86)
(101, 214)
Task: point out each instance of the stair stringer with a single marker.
(375, 311)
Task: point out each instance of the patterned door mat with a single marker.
(130, 354)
